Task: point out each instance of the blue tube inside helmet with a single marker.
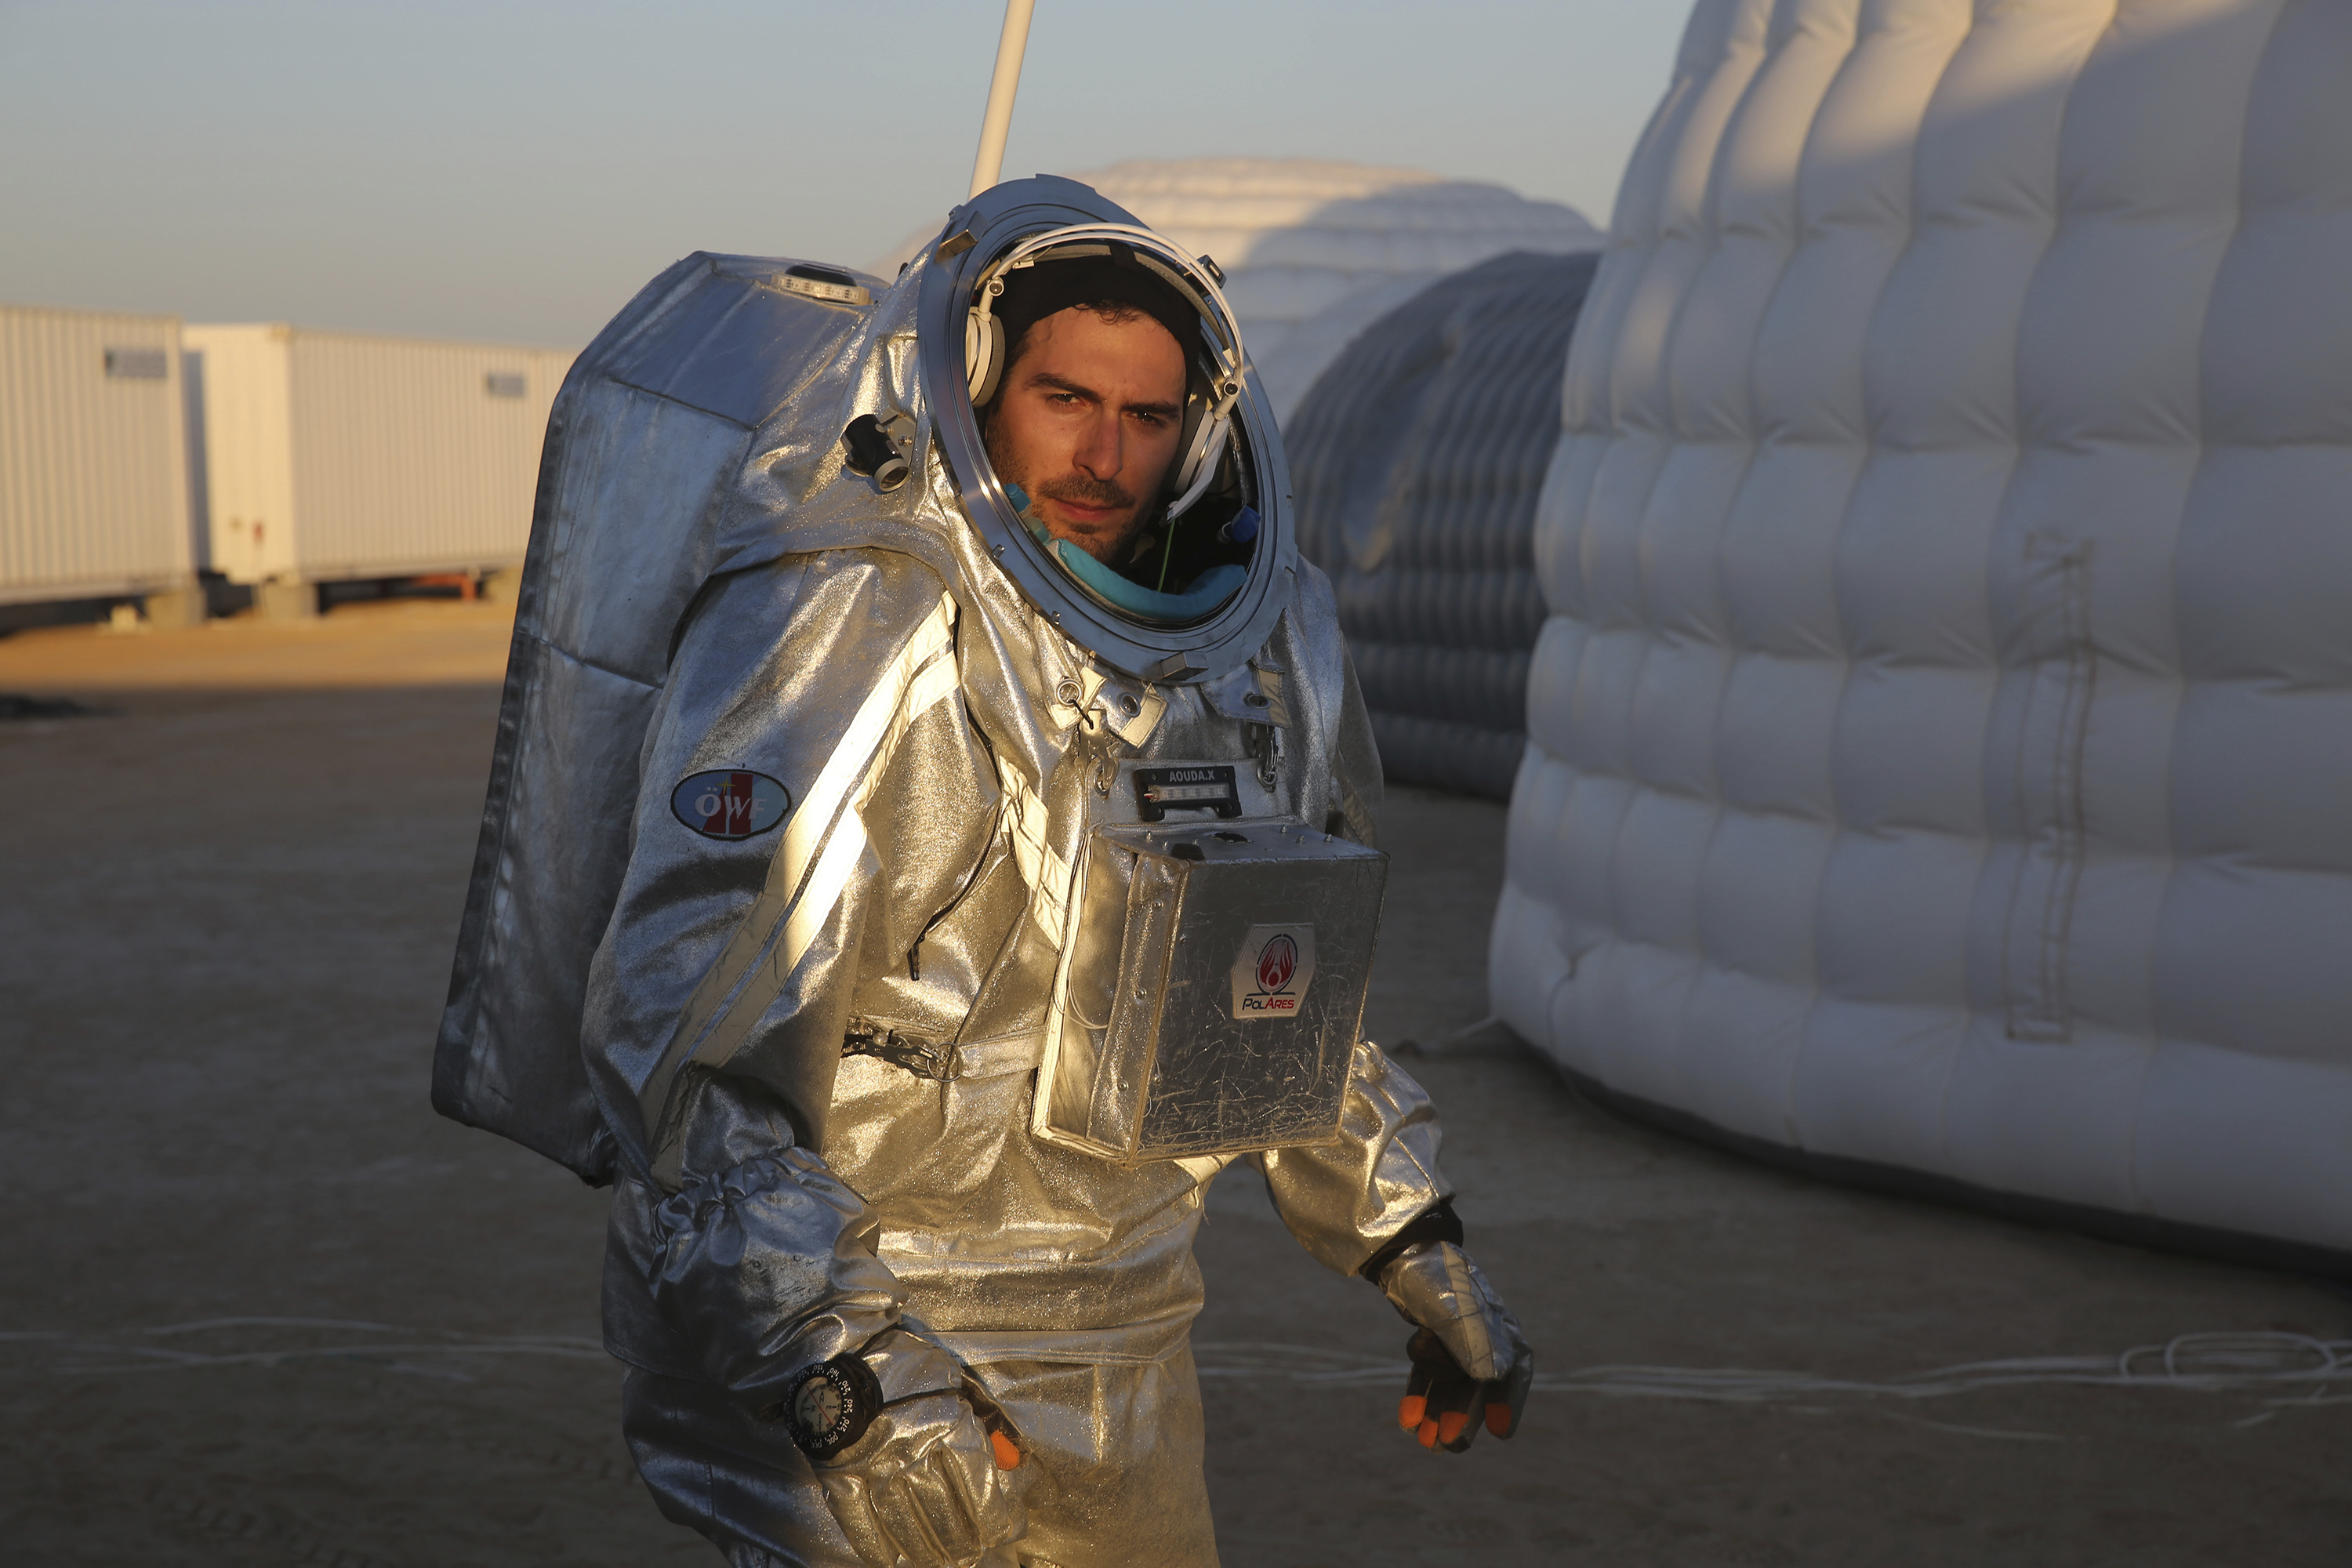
(1193, 602)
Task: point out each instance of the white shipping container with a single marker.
(333, 455)
(93, 472)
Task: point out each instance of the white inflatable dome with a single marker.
(1941, 740)
(1315, 251)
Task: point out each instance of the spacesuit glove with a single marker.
(1471, 1366)
(918, 1465)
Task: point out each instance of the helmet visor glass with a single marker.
(1164, 532)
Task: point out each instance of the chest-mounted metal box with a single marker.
(1210, 989)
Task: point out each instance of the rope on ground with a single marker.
(2256, 1361)
(2206, 1362)
(72, 1355)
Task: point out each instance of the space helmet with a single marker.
(1220, 555)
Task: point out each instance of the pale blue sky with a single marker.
(516, 168)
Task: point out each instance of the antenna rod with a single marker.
(994, 125)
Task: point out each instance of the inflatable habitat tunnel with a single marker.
(1940, 740)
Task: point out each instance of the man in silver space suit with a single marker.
(998, 619)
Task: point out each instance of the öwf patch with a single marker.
(730, 803)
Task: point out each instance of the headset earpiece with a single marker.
(1199, 465)
(1208, 419)
(983, 354)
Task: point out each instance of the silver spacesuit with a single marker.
(807, 736)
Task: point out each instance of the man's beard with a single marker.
(1079, 490)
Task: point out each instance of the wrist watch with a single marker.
(831, 1405)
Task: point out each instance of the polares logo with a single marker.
(1272, 969)
(728, 805)
(1277, 961)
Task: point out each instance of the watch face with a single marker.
(832, 1407)
(819, 1407)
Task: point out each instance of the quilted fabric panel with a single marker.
(1417, 459)
(1939, 743)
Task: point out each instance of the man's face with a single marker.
(1088, 422)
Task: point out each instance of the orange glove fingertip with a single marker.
(1428, 1434)
(1008, 1455)
(1498, 1420)
(1410, 1409)
(1450, 1424)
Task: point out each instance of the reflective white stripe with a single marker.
(933, 683)
(815, 906)
(846, 847)
(1046, 872)
(851, 761)
(997, 1059)
(923, 673)
(1204, 1168)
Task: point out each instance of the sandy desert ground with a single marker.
(260, 1306)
